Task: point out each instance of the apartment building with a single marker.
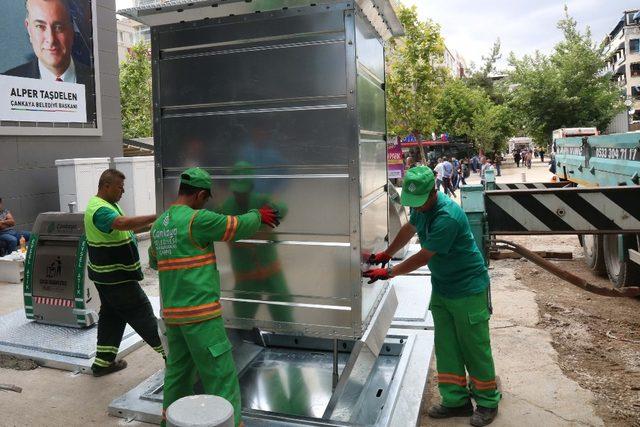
(623, 58)
(454, 62)
(130, 32)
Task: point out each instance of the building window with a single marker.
(634, 45)
(635, 69)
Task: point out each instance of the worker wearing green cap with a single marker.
(459, 301)
(182, 251)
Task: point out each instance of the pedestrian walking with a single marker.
(517, 158)
(182, 250)
(439, 173)
(447, 174)
(498, 162)
(460, 299)
(114, 267)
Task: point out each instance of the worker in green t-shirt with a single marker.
(114, 267)
(182, 251)
(460, 300)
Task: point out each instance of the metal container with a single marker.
(283, 107)
(57, 289)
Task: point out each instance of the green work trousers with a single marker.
(203, 349)
(462, 345)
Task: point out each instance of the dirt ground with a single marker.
(597, 338)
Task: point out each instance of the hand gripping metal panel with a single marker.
(285, 108)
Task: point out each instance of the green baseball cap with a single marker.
(418, 184)
(196, 177)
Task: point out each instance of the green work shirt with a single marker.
(182, 251)
(457, 268)
(103, 219)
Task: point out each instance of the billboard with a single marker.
(46, 62)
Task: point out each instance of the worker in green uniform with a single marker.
(256, 268)
(182, 251)
(114, 267)
(460, 301)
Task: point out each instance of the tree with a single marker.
(481, 78)
(468, 112)
(414, 78)
(564, 89)
(135, 92)
(492, 128)
(456, 108)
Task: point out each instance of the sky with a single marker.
(471, 26)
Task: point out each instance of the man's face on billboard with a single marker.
(51, 33)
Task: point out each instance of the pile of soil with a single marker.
(11, 362)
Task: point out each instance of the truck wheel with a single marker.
(593, 253)
(621, 273)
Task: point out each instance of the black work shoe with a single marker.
(439, 411)
(483, 416)
(116, 366)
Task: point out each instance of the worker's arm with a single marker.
(107, 220)
(405, 234)
(413, 263)
(132, 223)
(208, 226)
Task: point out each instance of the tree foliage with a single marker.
(482, 78)
(470, 113)
(414, 79)
(135, 92)
(564, 89)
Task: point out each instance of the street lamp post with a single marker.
(630, 111)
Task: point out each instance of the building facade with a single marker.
(130, 33)
(623, 58)
(454, 62)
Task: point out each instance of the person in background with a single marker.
(486, 164)
(475, 164)
(464, 170)
(517, 157)
(410, 163)
(439, 172)
(9, 237)
(498, 163)
(542, 155)
(552, 164)
(447, 175)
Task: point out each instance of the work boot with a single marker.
(116, 366)
(439, 411)
(483, 416)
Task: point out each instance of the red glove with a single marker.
(376, 274)
(380, 258)
(269, 216)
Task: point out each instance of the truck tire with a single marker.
(621, 273)
(593, 253)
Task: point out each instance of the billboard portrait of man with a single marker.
(53, 33)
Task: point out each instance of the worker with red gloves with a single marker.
(460, 300)
(182, 251)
